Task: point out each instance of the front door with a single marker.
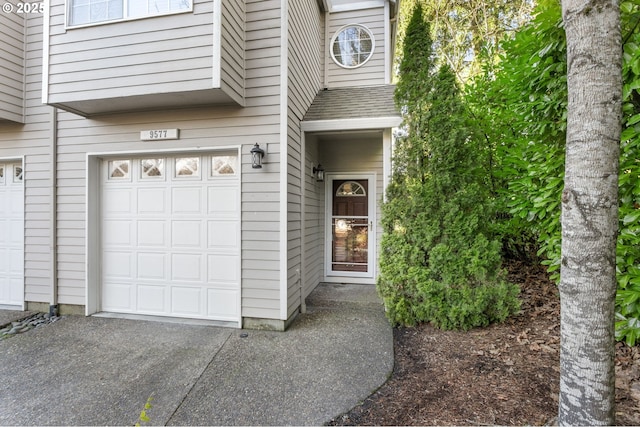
(350, 253)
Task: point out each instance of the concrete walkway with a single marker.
(98, 371)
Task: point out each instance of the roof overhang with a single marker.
(332, 6)
(352, 109)
(351, 124)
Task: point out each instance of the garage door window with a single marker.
(224, 165)
(152, 169)
(17, 177)
(119, 170)
(1, 174)
(187, 167)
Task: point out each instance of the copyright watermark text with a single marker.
(23, 8)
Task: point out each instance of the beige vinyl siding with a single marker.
(232, 60)
(204, 128)
(313, 221)
(260, 189)
(12, 57)
(371, 73)
(147, 63)
(304, 81)
(129, 58)
(33, 141)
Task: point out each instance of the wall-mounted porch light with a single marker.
(257, 154)
(318, 172)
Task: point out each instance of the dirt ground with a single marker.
(505, 374)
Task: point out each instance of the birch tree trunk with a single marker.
(590, 212)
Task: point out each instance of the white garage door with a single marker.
(11, 234)
(170, 236)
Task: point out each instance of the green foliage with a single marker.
(144, 418)
(628, 248)
(466, 33)
(521, 104)
(439, 262)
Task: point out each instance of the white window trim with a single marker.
(236, 170)
(335, 35)
(126, 178)
(70, 26)
(198, 176)
(143, 177)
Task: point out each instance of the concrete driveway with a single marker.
(98, 371)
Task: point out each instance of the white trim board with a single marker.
(284, 157)
(351, 124)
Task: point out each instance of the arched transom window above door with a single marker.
(351, 188)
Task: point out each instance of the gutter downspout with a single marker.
(302, 275)
(53, 214)
(53, 140)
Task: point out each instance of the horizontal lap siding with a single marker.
(153, 55)
(232, 66)
(304, 80)
(32, 140)
(313, 228)
(204, 128)
(12, 57)
(371, 73)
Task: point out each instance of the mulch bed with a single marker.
(506, 374)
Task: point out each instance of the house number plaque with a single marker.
(158, 134)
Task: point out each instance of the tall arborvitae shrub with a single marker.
(439, 262)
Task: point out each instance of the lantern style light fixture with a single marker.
(257, 154)
(318, 172)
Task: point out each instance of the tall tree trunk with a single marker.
(590, 212)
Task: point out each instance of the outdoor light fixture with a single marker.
(257, 154)
(318, 172)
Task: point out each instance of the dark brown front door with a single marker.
(350, 226)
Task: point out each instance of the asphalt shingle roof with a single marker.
(353, 103)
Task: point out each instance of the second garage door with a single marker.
(11, 234)
(170, 236)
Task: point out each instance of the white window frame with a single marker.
(126, 178)
(335, 36)
(125, 14)
(217, 176)
(162, 169)
(195, 177)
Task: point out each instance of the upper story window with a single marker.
(352, 46)
(84, 12)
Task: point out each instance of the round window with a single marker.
(352, 46)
